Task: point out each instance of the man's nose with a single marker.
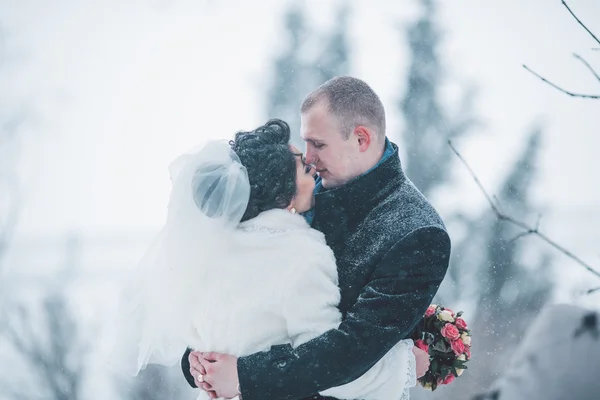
(311, 157)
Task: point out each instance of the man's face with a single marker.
(333, 156)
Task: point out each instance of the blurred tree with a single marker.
(507, 283)
(516, 276)
(428, 125)
(428, 160)
(297, 72)
(290, 78)
(48, 343)
(333, 59)
(504, 280)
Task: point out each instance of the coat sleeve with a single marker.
(387, 310)
(185, 368)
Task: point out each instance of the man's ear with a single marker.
(363, 135)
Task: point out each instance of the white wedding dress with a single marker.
(241, 288)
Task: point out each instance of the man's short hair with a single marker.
(352, 101)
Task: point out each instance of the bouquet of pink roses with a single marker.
(446, 338)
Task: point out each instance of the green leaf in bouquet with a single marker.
(442, 346)
(445, 371)
(459, 314)
(454, 372)
(433, 366)
(436, 354)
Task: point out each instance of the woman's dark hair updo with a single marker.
(271, 166)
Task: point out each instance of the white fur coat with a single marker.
(275, 282)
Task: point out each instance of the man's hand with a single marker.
(221, 376)
(422, 358)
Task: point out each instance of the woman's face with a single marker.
(305, 183)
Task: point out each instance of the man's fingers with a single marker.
(194, 361)
(211, 356)
(205, 386)
(205, 366)
(200, 368)
(193, 356)
(196, 364)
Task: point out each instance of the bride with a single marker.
(237, 269)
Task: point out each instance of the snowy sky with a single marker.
(118, 88)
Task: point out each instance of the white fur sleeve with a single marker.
(311, 306)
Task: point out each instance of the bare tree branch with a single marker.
(20, 335)
(572, 94)
(580, 23)
(528, 229)
(577, 56)
(583, 96)
(590, 291)
(51, 351)
(521, 235)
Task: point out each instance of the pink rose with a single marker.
(458, 347)
(460, 323)
(450, 331)
(448, 379)
(422, 345)
(467, 352)
(430, 310)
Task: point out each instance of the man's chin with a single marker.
(327, 183)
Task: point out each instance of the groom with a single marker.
(391, 247)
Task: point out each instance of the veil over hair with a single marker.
(210, 193)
